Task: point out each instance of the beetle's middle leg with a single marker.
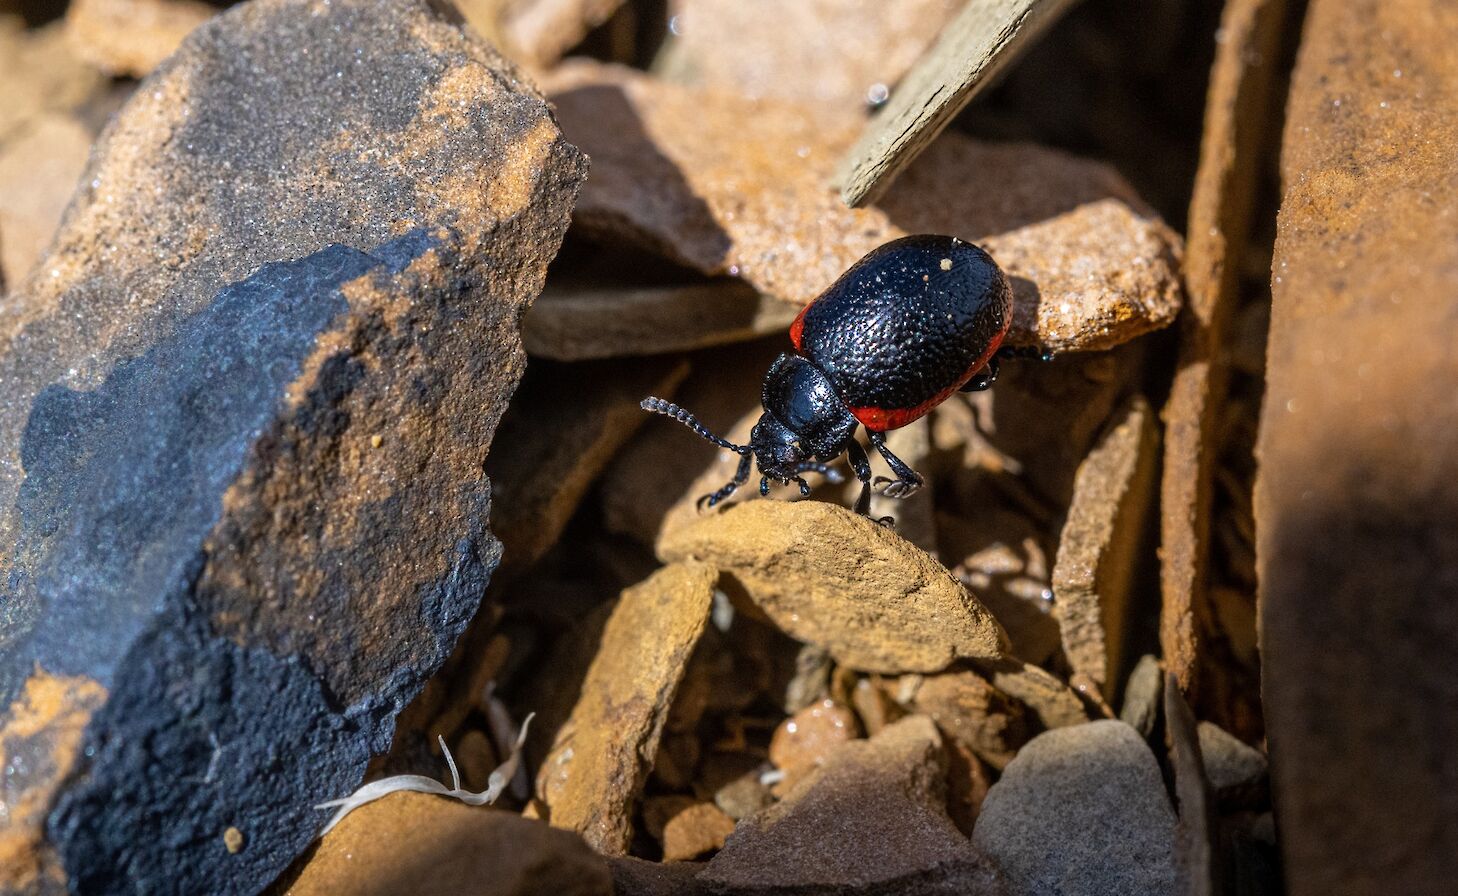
(907, 480)
(741, 475)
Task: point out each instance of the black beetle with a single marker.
(906, 326)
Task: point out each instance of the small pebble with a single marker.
(233, 840)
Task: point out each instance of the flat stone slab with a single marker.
(594, 774)
(830, 577)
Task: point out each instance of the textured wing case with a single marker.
(906, 326)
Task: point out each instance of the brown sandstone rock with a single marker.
(1099, 547)
(770, 54)
(39, 166)
(872, 819)
(1239, 115)
(830, 577)
(1356, 500)
(416, 843)
(591, 779)
(40, 74)
(971, 711)
(686, 828)
(804, 740)
(131, 37)
(242, 424)
(576, 323)
(564, 425)
(728, 185)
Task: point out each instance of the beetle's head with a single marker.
(776, 449)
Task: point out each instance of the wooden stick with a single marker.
(977, 46)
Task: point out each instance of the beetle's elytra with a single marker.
(906, 326)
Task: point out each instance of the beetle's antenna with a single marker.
(669, 409)
(830, 473)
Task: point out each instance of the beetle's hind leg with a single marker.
(741, 475)
(983, 379)
(907, 480)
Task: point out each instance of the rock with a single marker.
(972, 712)
(874, 44)
(875, 708)
(811, 682)
(686, 828)
(540, 31)
(419, 843)
(724, 184)
(40, 74)
(1004, 562)
(1099, 547)
(1143, 696)
(1053, 703)
(872, 819)
(968, 780)
(637, 877)
(1081, 810)
(1196, 834)
(564, 425)
(734, 782)
(243, 496)
(829, 577)
(477, 759)
(1238, 118)
(804, 740)
(1357, 493)
(39, 167)
(1237, 771)
(591, 779)
(585, 323)
(129, 38)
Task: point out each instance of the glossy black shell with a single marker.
(908, 323)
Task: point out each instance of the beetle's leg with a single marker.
(764, 486)
(804, 486)
(862, 465)
(740, 475)
(907, 480)
(830, 473)
(982, 379)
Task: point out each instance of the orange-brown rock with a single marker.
(686, 828)
(40, 73)
(828, 576)
(1356, 499)
(416, 843)
(576, 323)
(802, 741)
(131, 37)
(246, 401)
(970, 711)
(1238, 120)
(1000, 555)
(1100, 546)
(564, 425)
(725, 184)
(867, 45)
(872, 819)
(39, 166)
(593, 776)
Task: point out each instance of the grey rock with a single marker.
(1237, 771)
(1081, 811)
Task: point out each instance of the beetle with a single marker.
(912, 322)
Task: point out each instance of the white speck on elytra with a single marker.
(946, 264)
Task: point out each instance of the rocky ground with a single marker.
(324, 326)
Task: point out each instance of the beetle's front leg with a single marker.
(862, 466)
(983, 379)
(907, 480)
(740, 475)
